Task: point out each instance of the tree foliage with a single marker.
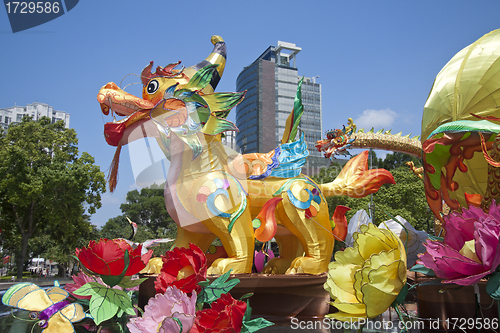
(58, 250)
(46, 186)
(119, 227)
(395, 160)
(147, 208)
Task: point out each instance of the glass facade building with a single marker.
(271, 84)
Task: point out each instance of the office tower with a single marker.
(229, 140)
(271, 84)
(36, 110)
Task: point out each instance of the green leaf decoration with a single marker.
(218, 287)
(103, 307)
(201, 78)
(250, 326)
(199, 306)
(106, 302)
(422, 269)
(493, 286)
(111, 280)
(88, 289)
(433, 282)
(204, 283)
(84, 302)
(128, 283)
(248, 312)
(124, 301)
(254, 325)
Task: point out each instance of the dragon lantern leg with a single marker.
(315, 235)
(304, 212)
(219, 202)
(290, 248)
(238, 241)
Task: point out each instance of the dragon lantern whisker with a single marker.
(121, 82)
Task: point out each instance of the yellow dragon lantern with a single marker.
(211, 192)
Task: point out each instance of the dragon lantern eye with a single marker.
(33, 315)
(152, 87)
(43, 323)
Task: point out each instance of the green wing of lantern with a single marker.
(293, 120)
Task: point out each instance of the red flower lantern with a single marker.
(107, 257)
(225, 316)
(182, 268)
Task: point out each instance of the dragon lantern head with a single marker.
(136, 109)
(178, 100)
(337, 141)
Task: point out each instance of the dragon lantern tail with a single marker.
(356, 180)
(217, 57)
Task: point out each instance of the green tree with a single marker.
(147, 208)
(396, 160)
(117, 227)
(46, 186)
(59, 250)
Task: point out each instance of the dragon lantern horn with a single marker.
(146, 74)
(218, 56)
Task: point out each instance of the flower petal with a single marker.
(448, 262)
(387, 277)
(468, 280)
(349, 256)
(486, 237)
(374, 240)
(377, 302)
(339, 283)
(458, 230)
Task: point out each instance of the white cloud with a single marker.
(110, 208)
(376, 118)
(109, 199)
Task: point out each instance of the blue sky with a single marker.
(376, 60)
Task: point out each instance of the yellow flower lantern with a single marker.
(364, 280)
